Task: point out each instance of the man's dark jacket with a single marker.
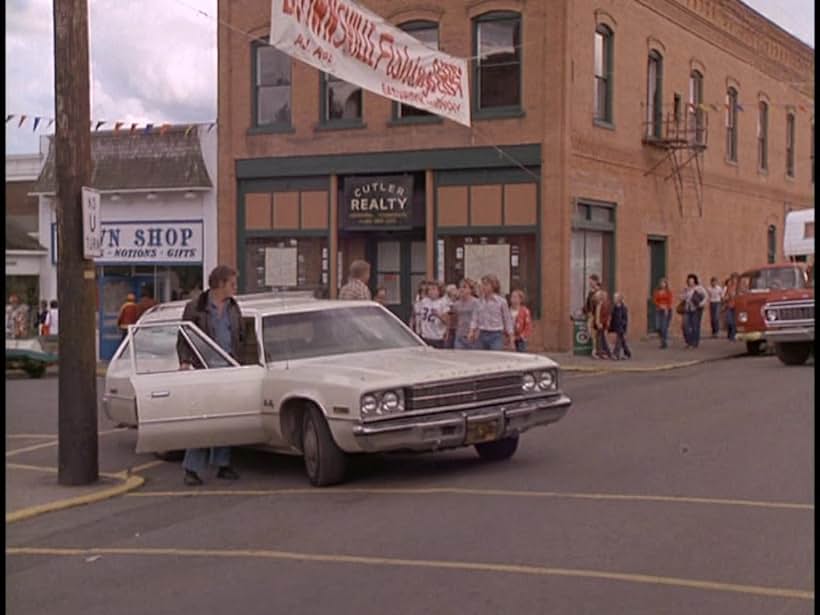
(196, 311)
(619, 320)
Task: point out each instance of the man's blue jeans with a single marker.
(196, 459)
(463, 343)
(490, 340)
(714, 316)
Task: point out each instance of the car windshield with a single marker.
(773, 279)
(319, 333)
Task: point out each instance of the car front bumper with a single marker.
(454, 429)
(751, 336)
(792, 334)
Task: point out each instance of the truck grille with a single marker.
(788, 313)
(454, 392)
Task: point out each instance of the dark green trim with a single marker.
(657, 103)
(606, 227)
(265, 128)
(478, 177)
(413, 120)
(479, 113)
(486, 230)
(274, 129)
(295, 233)
(387, 162)
(539, 259)
(339, 125)
(285, 185)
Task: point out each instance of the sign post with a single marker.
(92, 225)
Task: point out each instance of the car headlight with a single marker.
(528, 382)
(382, 402)
(742, 317)
(771, 315)
(548, 380)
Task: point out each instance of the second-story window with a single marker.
(790, 144)
(341, 101)
(603, 74)
(731, 125)
(654, 95)
(497, 66)
(426, 32)
(696, 113)
(272, 84)
(763, 136)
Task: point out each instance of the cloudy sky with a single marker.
(155, 60)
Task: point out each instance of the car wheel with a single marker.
(34, 369)
(793, 354)
(498, 450)
(754, 348)
(325, 462)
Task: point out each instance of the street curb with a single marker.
(654, 368)
(129, 484)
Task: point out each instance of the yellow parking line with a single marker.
(776, 592)
(140, 468)
(34, 447)
(482, 492)
(52, 470)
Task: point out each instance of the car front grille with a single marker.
(455, 392)
(788, 313)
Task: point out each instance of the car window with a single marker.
(334, 331)
(774, 279)
(121, 363)
(155, 348)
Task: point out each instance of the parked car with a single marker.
(756, 288)
(326, 380)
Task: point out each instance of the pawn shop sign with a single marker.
(92, 225)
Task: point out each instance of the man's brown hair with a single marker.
(358, 268)
(220, 275)
(492, 280)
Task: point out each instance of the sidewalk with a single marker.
(647, 356)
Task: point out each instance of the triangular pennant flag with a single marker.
(164, 128)
(117, 127)
(99, 125)
(9, 117)
(36, 122)
(148, 128)
(211, 126)
(188, 130)
(133, 128)
(22, 119)
(50, 122)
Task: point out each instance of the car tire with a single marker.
(34, 369)
(498, 450)
(793, 354)
(325, 463)
(754, 348)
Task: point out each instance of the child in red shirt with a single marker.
(522, 320)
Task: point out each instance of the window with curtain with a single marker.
(272, 84)
(731, 125)
(696, 113)
(762, 136)
(426, 32)
(654, 95)
(497, 65)
(603, 74)
(790, 144)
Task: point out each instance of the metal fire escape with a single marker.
(683, 138)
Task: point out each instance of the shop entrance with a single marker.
(657, 270)
(398, 264)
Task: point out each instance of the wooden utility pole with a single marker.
(77, 422)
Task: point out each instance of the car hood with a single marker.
(406, 366)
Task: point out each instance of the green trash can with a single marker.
(581, 340)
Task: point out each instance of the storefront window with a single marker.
(511, 257)
(286, 263)
(593, 250)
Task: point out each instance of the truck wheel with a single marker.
(793, 354)
(325, 462)
(754, 348)
(498, 450)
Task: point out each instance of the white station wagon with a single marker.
(324, 379)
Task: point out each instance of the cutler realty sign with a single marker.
(370, 202)
(349, 42)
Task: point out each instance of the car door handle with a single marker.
(160, 394)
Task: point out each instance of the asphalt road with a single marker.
(681, 492)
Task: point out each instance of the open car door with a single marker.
(218, 405)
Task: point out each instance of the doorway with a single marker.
(399, 264)
(657, 270)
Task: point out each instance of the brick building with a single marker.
(630, 139)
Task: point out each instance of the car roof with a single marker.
(258, 303)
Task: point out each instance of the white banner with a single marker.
(166, 242)
(349, 42)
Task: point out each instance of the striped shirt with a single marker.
(492, 314)
(356, 290)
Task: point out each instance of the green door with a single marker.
(398, 265)
(657, 270)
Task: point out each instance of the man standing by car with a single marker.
(217, 314)
(356, 287)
